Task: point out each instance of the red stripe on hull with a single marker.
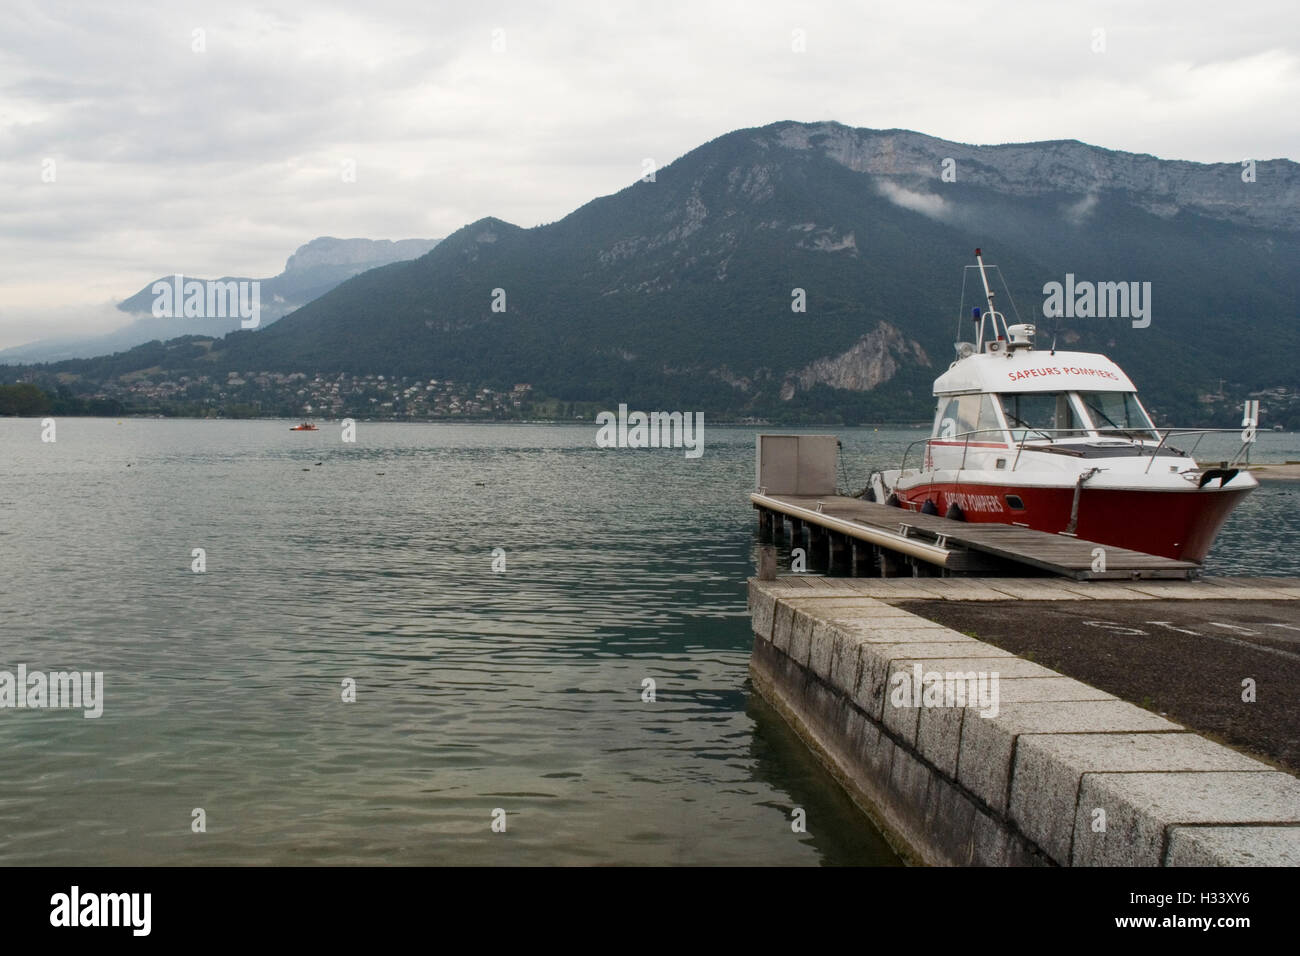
(1181, 525)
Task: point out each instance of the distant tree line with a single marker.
(26, 399)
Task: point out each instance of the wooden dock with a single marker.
(865, 538)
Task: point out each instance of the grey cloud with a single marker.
(225, 161)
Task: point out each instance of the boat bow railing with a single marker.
(1242, 455)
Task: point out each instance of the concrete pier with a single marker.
(1057, 772)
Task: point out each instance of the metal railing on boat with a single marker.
(1050, 435)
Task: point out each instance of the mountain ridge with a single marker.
(678, 292)
(309, 272)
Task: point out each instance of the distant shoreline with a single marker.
(735, 423)
(1286, 469)
(1276, 471)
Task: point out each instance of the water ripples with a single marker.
(474, 690)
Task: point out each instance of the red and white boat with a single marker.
(1059, 442)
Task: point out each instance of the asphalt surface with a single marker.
(1185, 660)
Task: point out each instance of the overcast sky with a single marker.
(221, 152)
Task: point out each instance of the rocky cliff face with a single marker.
(361, 253)
(1163, 187)
(871, 361)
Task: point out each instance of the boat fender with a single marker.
(869, 494)
(892, 501)
(929, 508)
(954, 513)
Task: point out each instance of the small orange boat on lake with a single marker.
(304, 427)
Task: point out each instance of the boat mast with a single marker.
(992, 313)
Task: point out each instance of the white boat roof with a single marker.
(1032, 370)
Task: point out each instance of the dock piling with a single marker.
(838, 553)
(817, 547)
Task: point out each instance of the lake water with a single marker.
(520, 690)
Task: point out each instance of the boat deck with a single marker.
(966, 547)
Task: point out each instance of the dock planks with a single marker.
(957, 545)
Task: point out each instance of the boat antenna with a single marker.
(988, 295)
(961, 306)
(1056, 331)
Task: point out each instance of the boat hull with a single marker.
(1175, 524)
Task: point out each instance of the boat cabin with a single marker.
(1012, 396)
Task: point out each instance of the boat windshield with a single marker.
(1118, 414)
(1041, 415)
